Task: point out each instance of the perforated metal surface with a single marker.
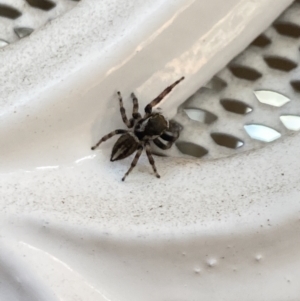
(253, 101)
(19, 18)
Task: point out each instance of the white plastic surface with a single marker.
(71, 230)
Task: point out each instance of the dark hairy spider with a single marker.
(151, 127)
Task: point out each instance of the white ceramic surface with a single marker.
(71, 230)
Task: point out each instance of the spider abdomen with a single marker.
(124, 147)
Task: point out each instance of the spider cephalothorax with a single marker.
(142, 130)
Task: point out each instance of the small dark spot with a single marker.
(287, 29)
(261, 41)
(41, 4)
(216, 84)
(191, 149)
(280, 63)
(244, 72)
(227, 140)
(235, 106)
(23, 32)
(9, 12)
(296, 85)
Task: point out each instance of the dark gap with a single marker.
(244, 72)
(288, 29)
(296, 85)
(200, 115)
(174, 126)
(209, 117)
(217, 84)
(235, 106)
(23, 32)
(226, 140)
(191, 149)
(41, 4)
(261, 41)
(9, 12)
(280, 63)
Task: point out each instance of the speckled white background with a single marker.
(222, 229)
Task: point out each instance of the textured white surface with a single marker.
(29, 16)
(223, 229)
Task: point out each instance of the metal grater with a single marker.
(253, 101)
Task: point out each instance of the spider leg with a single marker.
(135, 111)
(162, 145)
(134, 162)
(158, 99)
(129, 123)
(151, 160)
(111, 134)
(171, 136)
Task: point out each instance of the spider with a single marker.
(142, 130)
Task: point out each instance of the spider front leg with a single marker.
(170, 137)
(111, 134)
(159, 98)
(134, 162)
(151, 160)
(135, 111)
(129, 123)
(161, 145)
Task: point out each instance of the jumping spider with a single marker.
(142, 130)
